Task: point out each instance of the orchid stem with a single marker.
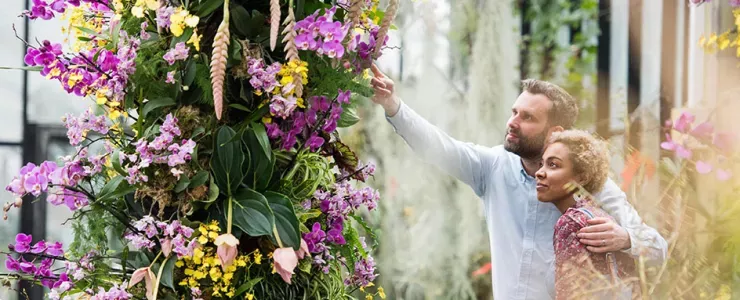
(155, 259)
(228, 217)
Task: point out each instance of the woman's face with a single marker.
(555, 172)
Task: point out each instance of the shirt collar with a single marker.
(523, 176)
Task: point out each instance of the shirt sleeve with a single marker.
(466, 161)
(645, 240)
(569, 253)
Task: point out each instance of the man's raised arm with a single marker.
(465, 161)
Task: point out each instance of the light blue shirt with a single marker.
(520, 227)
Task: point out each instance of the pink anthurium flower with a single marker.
(166, 247)
(149, 279)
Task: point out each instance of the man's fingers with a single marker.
(379, 91)
(598, 220)
(595, 228)
(376, 71)
(377, 83)
(593, 236)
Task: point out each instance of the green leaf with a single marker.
(182, 184)
(246, 286)
(262, 159)
(310, 214)
(286, 221)
(116, 34)
(264, 141)
(252, 213)
(87, 30)
(241, 19)
(256, 22)
(213, 191)
(115, 188)
(116, 162)
(190, 71)
(167, 272)
(207, 7)
(257, 114)
(227, 161)
(198, 131)
(368, 230)
(348, 117)
(199, 179)
(184, 37)
(240, 107)
(153, 104)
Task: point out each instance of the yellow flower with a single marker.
(215, 273)
(299, 102)
(257, 257)
(114, 114)
(137, 11)
(179, 264)
(381, 293)
(213, 226)
(266, 120)
(152, 4)
(192, 21)
(202, 239)
(249, 297)
(195, 40)
(368, 297)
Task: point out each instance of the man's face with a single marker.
(526, 129)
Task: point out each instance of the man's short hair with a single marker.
(564, 111)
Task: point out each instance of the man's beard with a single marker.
(526, 147)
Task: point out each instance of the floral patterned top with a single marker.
(572, 258)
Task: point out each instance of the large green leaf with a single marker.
(286, 221)
(348, 117)
(261, 133)
(252, 213)
(167, 272)
(153, 104)
(199, 179)
(208, 6)
(227, 161)
(262, 158)
(115, 188)
(241, 19)
(116, 162)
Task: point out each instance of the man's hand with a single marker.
(384, 93)
(603, 235)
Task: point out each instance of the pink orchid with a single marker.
(226, 250)
(671, 145)
(703, 167)
(683, 123)
(723, 175)
(149, 278)
(703, 130)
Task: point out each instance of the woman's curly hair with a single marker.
(589, 155)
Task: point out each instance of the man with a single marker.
(520, 227)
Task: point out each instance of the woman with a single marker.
(575, 156)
